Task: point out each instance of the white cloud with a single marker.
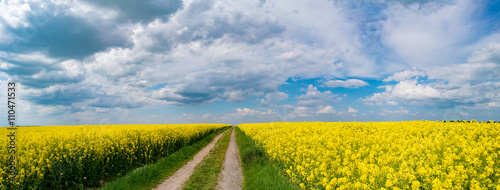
(207, 116)
(301, 111)
(87, 10)
(15, 13)
(352, 110)
(405, 91)
(413, 91)
(349, 83)
(199, 52)
(425, 35)
(202, 61)
(248, 115)
(273, 97)
(194, 118)
(325, 109)
(248, 112)
(405, 75)
(401, 110)
(473, 84)
(314, 102)
(116, 63)
(482, 66)
(313, 97)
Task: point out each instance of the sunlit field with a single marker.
(384, 155)
(61, 157)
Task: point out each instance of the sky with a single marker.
(246, 61)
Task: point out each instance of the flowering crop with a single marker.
(61, 157)
(384, 155)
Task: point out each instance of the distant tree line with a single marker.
(465, 121)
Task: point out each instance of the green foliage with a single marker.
(150, 175)
(259, 173)
(206, 174)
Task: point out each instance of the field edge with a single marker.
(206, 173)
(258, 171)
(149, 176)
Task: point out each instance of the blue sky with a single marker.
(239, 61)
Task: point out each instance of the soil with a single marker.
(231, 177)
(177, 180)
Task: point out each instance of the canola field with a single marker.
(384, 155)
(69, 157)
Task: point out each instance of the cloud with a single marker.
(349, 83)
(405, 75)
(401, 110)
(273, 97)
(56, 29)
(325, 109)
(426, 34)
(114, 102)
(301, 111)
(201, 51)
(59, 95)
(472, 84)
(247, 115)
(66, 72)
(15, 13)
(352, 110)
(482, 66)
(313, 97)
(233, 81)
(196, 118)
(248, 112)
(408, 91)
(144, 11)
(314, 102)
(207, 116)
(26, 64)
(87, 55)
(413, 91)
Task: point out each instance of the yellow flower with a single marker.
(415, 185)
(44, 148)
(388, 183)
(369, 152)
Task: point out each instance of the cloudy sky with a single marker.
(239, 61)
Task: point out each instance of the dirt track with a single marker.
(177, 180)
(231, 176)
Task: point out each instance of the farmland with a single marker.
(306, 155)
(62, 157)
(383, 155)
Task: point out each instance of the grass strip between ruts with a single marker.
(258, 171)
(149, 176)
(206, 174)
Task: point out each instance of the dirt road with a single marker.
(231, 177)
(177, 180)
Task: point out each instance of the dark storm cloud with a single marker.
(24, 68)
(61, 96)
(65, 37)
(37, 71)
(49, 81)
(62, 34)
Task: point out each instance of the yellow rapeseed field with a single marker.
(61, 157)
(384, 155)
